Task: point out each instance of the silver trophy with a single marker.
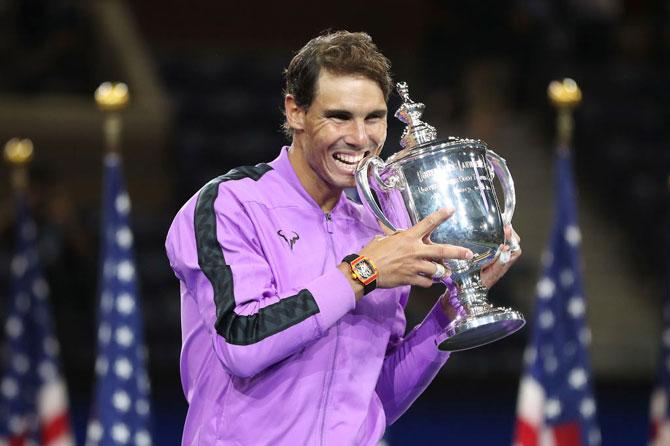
(428, 174)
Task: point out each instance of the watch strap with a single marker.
(350, 258)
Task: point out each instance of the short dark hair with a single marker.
(340, 52)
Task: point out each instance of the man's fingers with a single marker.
(511, 234)
(515, 254)
(421, 281)
(433, 270)
(500, 265)
(426, 226)
(441, 252)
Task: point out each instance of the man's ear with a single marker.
(295, 115)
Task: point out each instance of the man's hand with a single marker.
(407, 257)
(491, 273)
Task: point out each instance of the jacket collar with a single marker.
(282, 165)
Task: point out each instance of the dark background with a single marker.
(205, 78)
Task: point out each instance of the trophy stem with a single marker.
(474, 321)
(472, 292)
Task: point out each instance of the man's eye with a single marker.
(374, 118)
(338, 115)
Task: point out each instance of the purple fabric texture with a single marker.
(275, 348)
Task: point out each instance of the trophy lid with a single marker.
(449, 143)
(417, 132)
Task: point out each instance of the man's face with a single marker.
(345, 122)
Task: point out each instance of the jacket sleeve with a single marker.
(215, 253)
(411, 362)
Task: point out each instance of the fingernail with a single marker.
(469, 254)
(450, 210)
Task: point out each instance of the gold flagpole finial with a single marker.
(112, 98)
(564, 95)
(19, 152)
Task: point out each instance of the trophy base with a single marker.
(484, 328)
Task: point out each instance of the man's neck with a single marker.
(323, 194)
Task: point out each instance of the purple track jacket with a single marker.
(275, 348)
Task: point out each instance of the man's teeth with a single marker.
(348, 159)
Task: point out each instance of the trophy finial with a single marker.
(417, 132)
(403, 91)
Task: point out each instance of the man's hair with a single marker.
(339, 52)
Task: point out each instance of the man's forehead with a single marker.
(346, 87)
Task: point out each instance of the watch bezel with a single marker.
(358, 275)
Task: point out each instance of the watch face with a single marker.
(364, 269)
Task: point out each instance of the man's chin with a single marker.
(341, 180)
(348, 184)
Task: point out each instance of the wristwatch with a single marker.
(363, 270)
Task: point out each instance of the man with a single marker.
(282, 345)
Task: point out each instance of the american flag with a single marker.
(33, 395)
(555, 405)
(121, 410)
(659, 415)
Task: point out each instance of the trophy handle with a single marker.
(500, 168)
(370, 167)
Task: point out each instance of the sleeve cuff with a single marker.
(437, 315)
(427, 335)
(334, 296)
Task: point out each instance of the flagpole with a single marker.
(112, 98)
(659, 407)
(556, 405)
(34, 401)
(565, 96)
(18, 153)
(120, 413)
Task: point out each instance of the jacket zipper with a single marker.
(329, 229)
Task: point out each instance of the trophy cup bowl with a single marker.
(429, 174)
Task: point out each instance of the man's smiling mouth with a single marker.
(350, 159)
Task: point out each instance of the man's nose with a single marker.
(357, 135)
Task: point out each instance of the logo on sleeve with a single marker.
(289, 241)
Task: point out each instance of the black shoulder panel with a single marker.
(236, 329)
